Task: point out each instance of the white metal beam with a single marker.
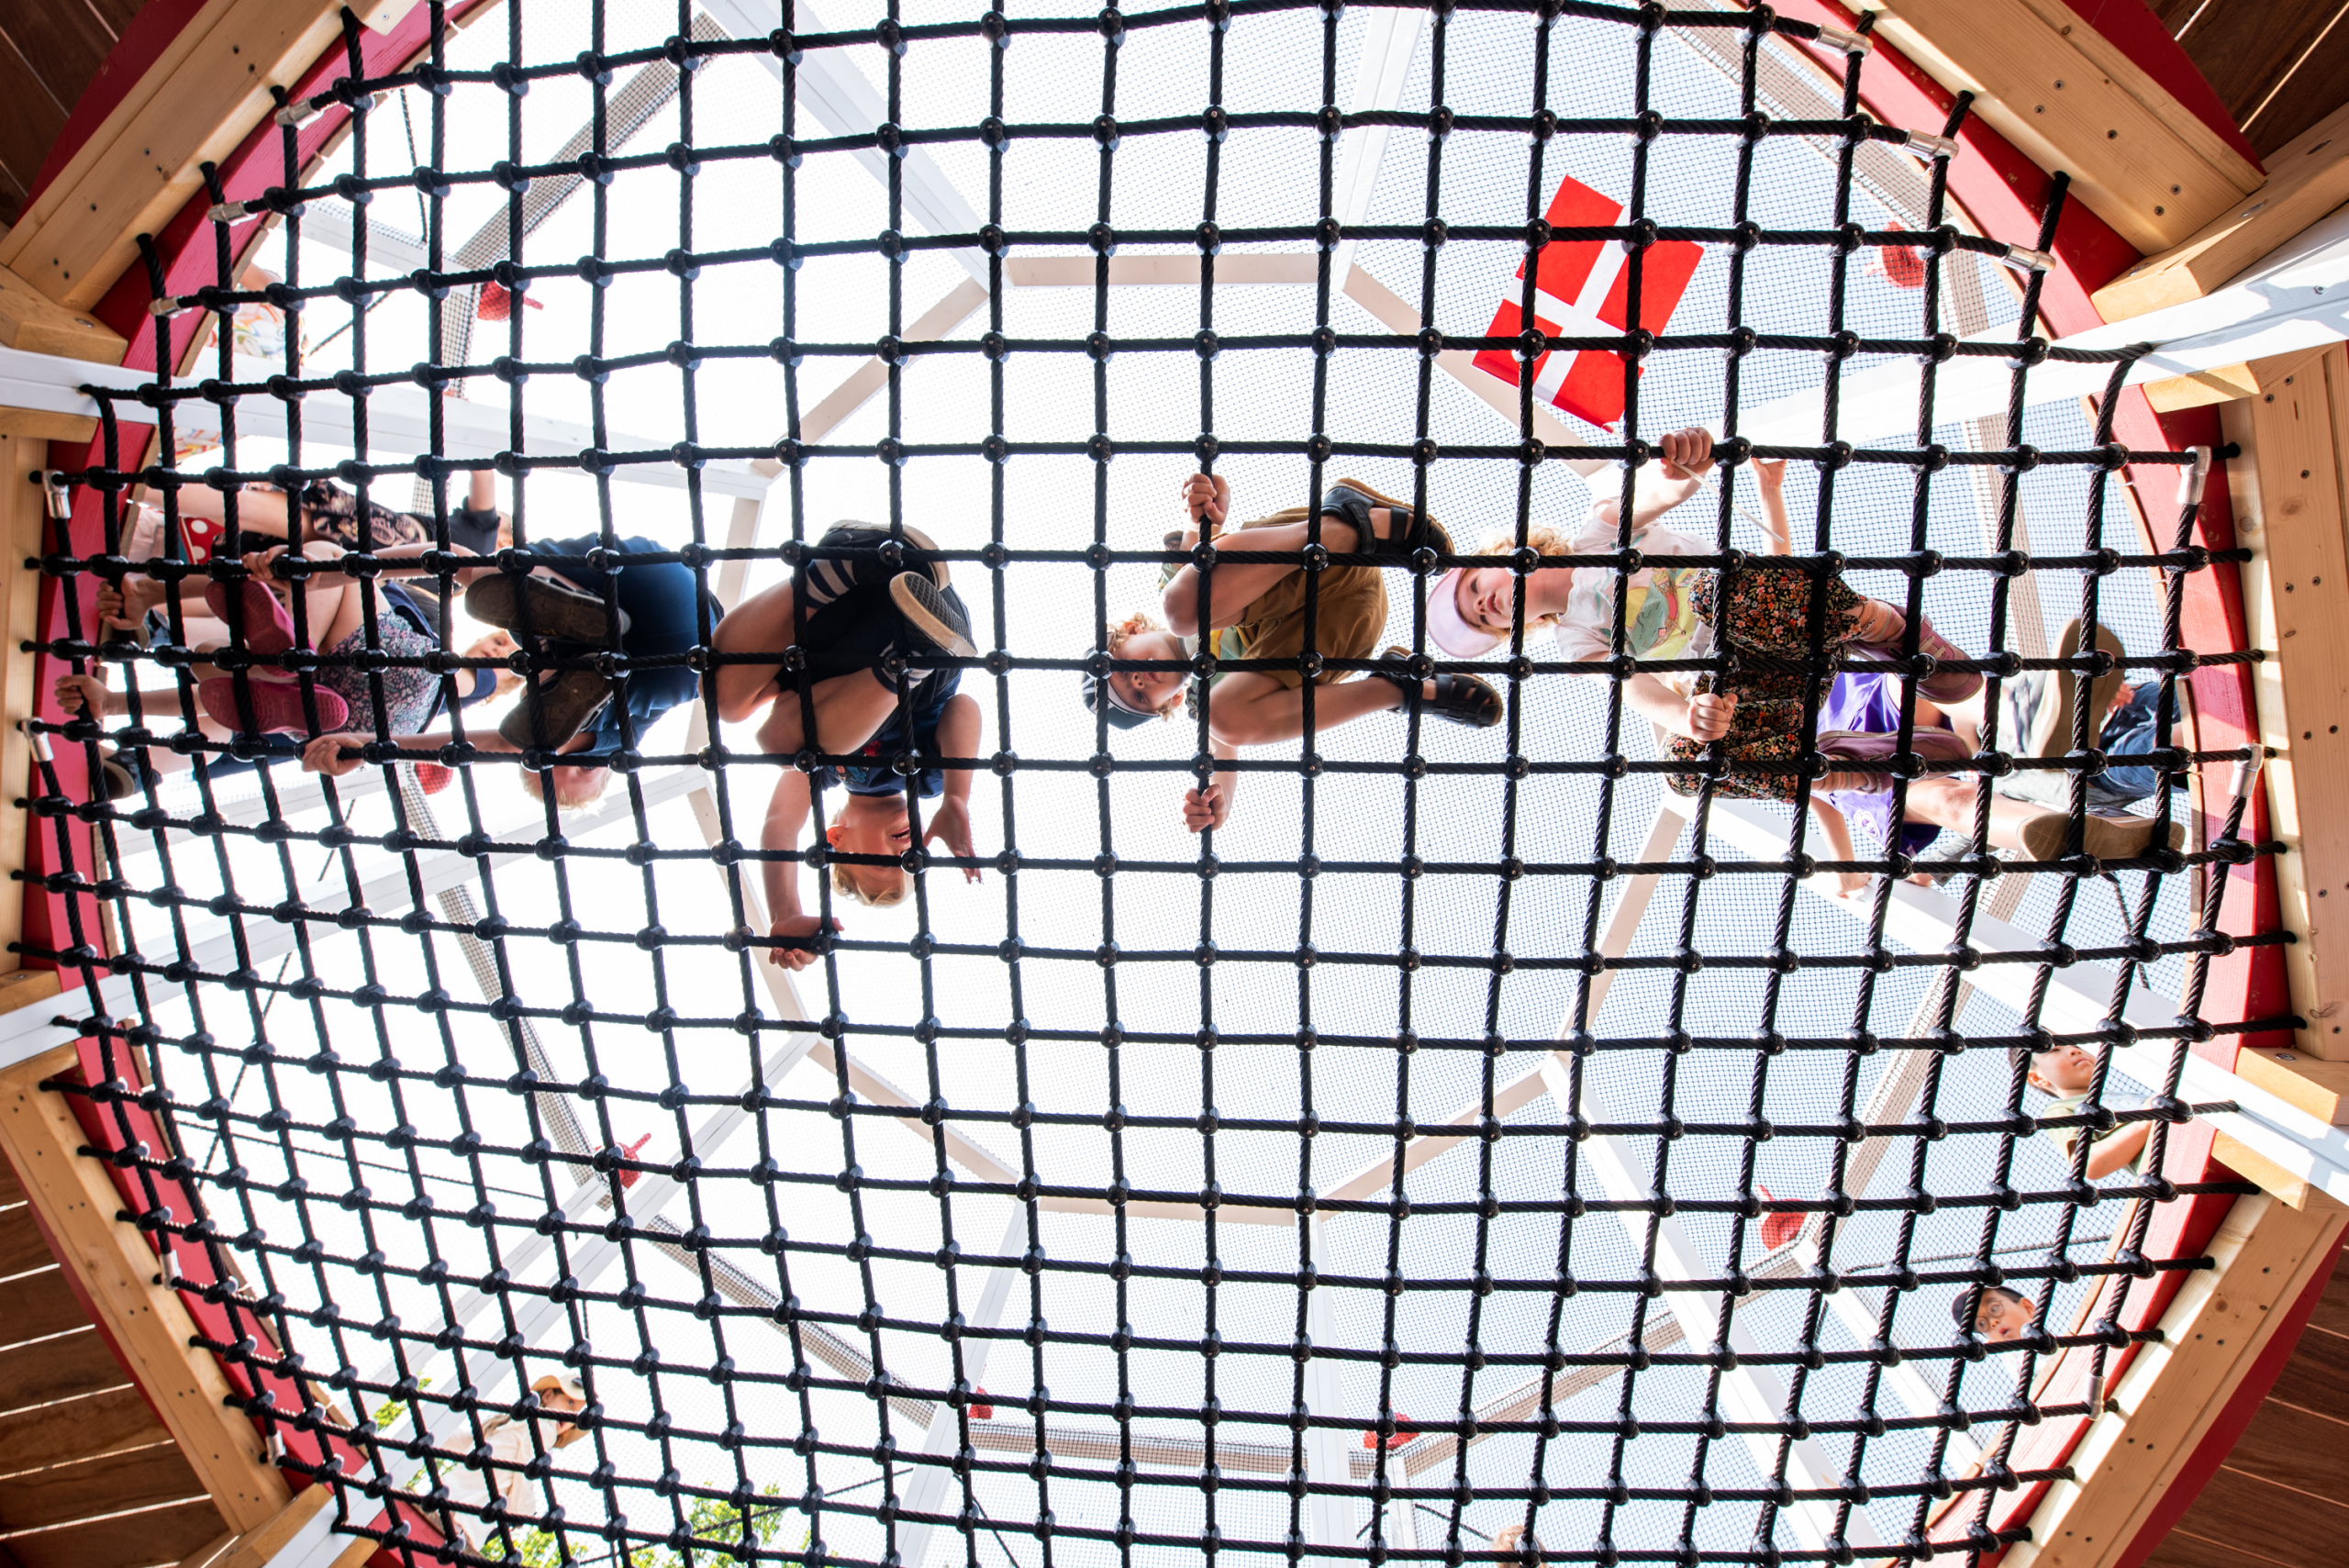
(929, 1479)
(1750, 1394)
(832, 89)
(1390, 42)
(399, 422)
(2296, 298)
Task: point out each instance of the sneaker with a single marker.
(557, 610)
(268, 625)
(550, 712)
(2113, 838)
(2051, 728)
(873, 536)
(276, 706)
(1942, 859)
(1944, 687)
(933, 615)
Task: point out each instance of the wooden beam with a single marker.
(116, 1269)
(2289, 508)
(2070, 100)
(2158, 1412)
(32, 321)
(21, 526)
(2308, 1082)
(29, 425)
(206, 91)
(2203, 388)
(2305, 181)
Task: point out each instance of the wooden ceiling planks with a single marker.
(2278, 65)
(2279, 1500)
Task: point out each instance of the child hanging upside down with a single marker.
(558, 610)
(859, 616)
(1756, 711)
(1259, 612)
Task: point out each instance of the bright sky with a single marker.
(1268, 177)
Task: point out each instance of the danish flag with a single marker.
(1581, 290)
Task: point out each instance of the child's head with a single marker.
(2002, 1315)
(1471, 608)
(871, 825)
(1136, 696)
(2059, 1070)
(575, 787)
(498, 645)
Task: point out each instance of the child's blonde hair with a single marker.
(1132, 626)
(533, 785)
(846, 885)
(1545, 539)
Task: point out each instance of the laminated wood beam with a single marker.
(2315, 1086)
(2157, 1413)
(2306, 180)
(2070, 100)
(32, 321)
(78, 1207)
(2290, 510)
(204, 95)
(20, 540)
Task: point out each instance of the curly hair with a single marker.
(1134, 624)
(1546, 539)
(845, 885)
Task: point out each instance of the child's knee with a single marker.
(1180, 604)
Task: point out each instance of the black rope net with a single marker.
(1051, 1213)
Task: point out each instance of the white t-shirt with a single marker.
(509, 1446)
(1660, 617)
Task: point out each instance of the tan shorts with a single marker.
(1348, 620)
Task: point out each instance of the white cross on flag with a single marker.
(1581, 290)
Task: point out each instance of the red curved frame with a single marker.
(2002, 191)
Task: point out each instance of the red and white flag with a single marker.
(1581, 290)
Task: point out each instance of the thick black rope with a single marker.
(343, 1308)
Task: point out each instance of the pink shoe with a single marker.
(269, 627)
(1943, 686)
(277, 706)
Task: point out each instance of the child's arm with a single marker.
(959, 730)
(1204, 808)
(787, 813)
(1770, 483)
(1705, 717)
(2112, 1153)
(480, 490)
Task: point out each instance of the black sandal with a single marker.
(1461, 699)
(1352, 502)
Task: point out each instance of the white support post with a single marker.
(1329, 1515)
(1750, 1394)
(1390, 41)
(835, 92)
(929, 1479)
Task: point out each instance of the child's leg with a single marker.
(1249, 707)
(258, 511)
(848, 709)
(1236, 587)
